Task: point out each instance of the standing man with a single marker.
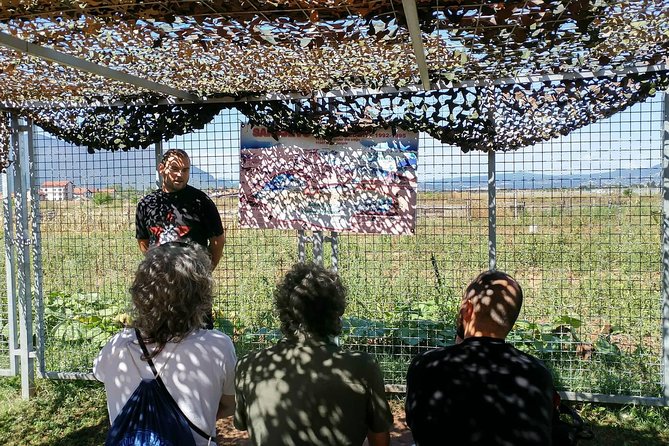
(178, 211)
(481, 391)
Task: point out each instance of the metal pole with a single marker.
(36, 245)
(334, 242)
(159, 157)
(317, 247)
(492, 213)
(19, 147)
(301, 248)
(664, 286)
(8, 226)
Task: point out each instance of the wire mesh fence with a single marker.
(578, 224)
(5, 311)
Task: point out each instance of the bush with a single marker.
(102, 198)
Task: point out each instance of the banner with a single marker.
(364, 184)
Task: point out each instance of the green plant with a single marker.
(62, 413)
(81, 318)
(101, 198)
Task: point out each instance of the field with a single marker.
(588, 260)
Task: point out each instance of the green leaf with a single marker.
(567, 320)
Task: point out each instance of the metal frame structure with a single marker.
(665, 250)
(21, 186)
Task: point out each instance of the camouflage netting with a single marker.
(337, 66)
(5, 136)
(499, 117)
(123, 128)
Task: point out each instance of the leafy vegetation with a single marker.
(588, 262)
(100, 198)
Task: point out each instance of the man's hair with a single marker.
(310, 299)
(179, 153)
(172, 292)
(496, 298)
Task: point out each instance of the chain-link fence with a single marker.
(577, 223)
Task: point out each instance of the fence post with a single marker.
(317, 247)
(22, 240)
(334, 242)
(36, 244)
(316, 240)
(158, 152)
(492, 212)
(8, 179)
(665, 251)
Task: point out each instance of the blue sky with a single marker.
(629, 139)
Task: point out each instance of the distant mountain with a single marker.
(58, 160)
(530, 180)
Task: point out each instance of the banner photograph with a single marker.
(364, 184)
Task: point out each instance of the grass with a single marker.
(74, 413)
(587, 257)
(63, 413)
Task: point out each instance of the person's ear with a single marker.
(467, 310)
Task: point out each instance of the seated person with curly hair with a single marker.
(171, 295)
(306, 390)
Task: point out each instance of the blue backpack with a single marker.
(151, 417)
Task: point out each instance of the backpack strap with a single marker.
(192, 425)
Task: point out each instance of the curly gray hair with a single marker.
(172, 292)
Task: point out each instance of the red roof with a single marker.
(56, 183)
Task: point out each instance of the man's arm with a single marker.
(143, 244)
(378, 438)
(216, 249)
(226, 406)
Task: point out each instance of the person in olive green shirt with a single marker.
(306, 390)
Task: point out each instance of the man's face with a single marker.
(175, 172)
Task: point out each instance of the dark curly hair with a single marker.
(171, 293)
(310, 299)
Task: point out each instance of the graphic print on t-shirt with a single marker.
(167, 217)
(172, 230)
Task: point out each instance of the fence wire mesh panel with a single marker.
(578, 224)
(5, 311)
(87, 218)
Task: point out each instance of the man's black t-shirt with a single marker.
(480, 392)
(188, 214)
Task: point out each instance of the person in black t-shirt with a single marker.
(178, 211)
(481, 391)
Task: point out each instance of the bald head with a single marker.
(490, 305)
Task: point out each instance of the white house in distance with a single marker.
(83, 193)
(57, 190)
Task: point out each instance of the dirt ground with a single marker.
(399, 436)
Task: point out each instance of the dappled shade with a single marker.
(310, 393)
(499, 75)
(481, 392)
(303, 183)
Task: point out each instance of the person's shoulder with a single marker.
(115, 345)
(531, 361)
(265, 356)
(124, 336)
(151, 196)
(430, 356)
(212, 336)
(356, 360)
(192, 190)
